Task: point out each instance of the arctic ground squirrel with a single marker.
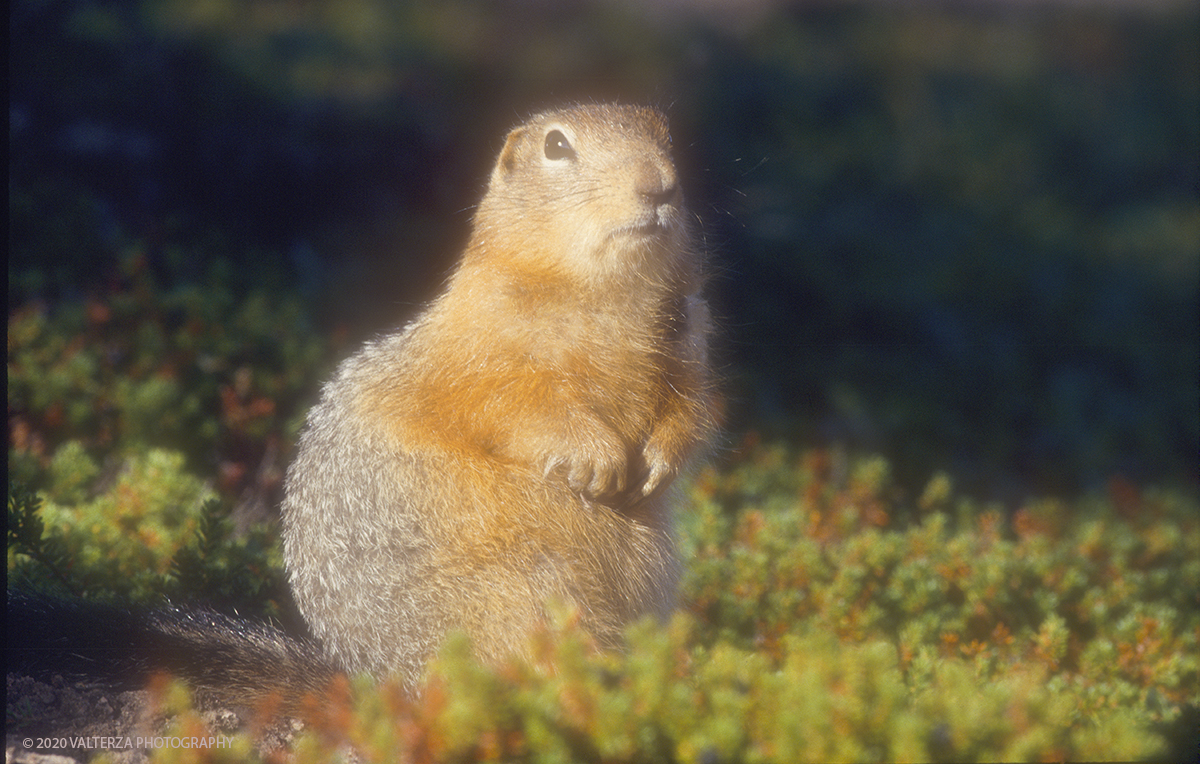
(518, 442)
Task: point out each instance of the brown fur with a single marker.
(517, 443)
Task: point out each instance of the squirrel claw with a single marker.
(658, 473)
(596, 479)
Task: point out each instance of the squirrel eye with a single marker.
(557, 146)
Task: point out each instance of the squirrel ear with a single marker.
(508, 155)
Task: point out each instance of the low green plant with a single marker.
(155, 531)
(203, 366)
(816, 626)
(143, 410)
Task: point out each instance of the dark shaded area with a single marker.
(967, 239)
(1183, 735)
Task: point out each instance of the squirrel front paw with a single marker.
(597, 472)
(660, 468)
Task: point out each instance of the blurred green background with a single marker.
(964, 236)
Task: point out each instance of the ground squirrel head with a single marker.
(588, 192)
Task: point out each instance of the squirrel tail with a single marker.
(233, 661)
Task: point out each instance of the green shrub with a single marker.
(813, 627)
(154, 531)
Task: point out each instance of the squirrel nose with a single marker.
(664, 195)
(657, 185)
